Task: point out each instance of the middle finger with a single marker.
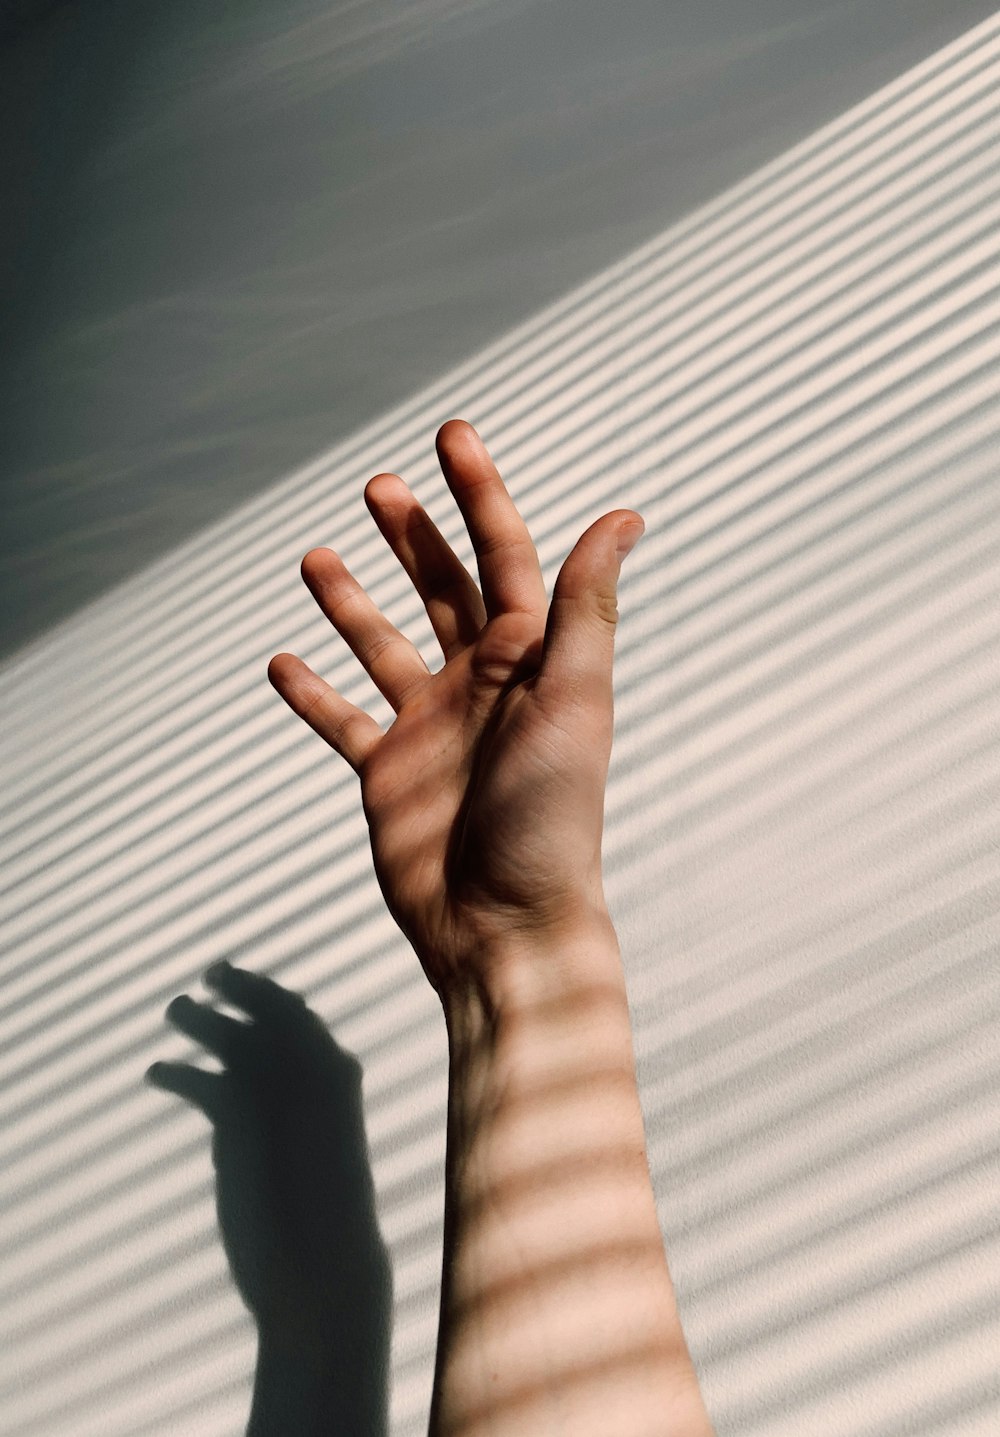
(453, 602)
(509, 571)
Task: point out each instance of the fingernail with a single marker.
(628, 538)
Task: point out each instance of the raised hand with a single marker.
(295, 1202)
(485, 806)
(485, 797)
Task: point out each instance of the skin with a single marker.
(485, 797)
(485, 805)
(485, 802)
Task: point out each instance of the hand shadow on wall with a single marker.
(295, 1201)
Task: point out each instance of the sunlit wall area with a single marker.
(799, 390)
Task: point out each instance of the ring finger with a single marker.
(394, 664)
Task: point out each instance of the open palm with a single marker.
(485, 797)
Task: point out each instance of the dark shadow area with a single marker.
(295, 1201)
(233, 234)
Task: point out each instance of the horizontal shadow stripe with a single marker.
(530, 394)
(798, 389)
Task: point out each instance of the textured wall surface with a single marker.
(236, 234)
(798, 387)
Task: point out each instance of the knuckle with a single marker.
(334, 601)
(331, 717)
(379, 644)
(606, 606)
(320, 707)
(496, 543)
(340, 734)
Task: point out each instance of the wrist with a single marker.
(542, 1074)
(518, 982)
(539, 1041)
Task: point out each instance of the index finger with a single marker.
(510, 575)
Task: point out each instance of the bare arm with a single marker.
(557, 1307)
(485, 805)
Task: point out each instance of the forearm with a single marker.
(557, 1307)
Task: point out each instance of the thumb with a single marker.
(583, 615)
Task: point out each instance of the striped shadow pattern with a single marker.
(799, 389)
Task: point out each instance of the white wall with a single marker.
(797, 387)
